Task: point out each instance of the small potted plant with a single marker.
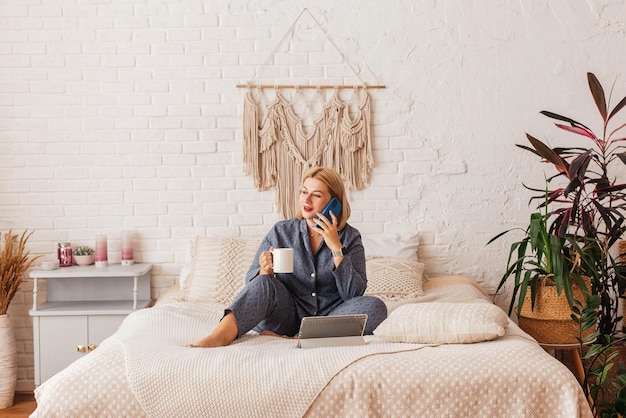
(84, 255)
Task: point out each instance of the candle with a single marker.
(101, 251)
(127, 248)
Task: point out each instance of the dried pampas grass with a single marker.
(14, 263)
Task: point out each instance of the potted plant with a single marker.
(84, 255)
(14, 263)
(544, 270)
(589, 204)
(588, 216)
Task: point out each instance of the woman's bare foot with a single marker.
(273, 334)
(224, 334)
(211, 341)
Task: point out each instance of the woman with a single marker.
(329, 271)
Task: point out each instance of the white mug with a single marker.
(283, 260)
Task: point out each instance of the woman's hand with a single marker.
(328, 230)
(266, 262)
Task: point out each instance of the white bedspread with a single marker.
(171, 380)
(145, 370)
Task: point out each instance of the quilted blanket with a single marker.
(171, 380)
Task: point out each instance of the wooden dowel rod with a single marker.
(306, 86)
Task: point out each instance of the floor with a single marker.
(23, 405)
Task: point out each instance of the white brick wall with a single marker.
(124, 114)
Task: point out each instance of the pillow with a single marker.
(185, 268)
(443, 323)
(392, 245)
(392, 279)
(218, 268)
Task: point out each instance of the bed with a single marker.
(444, 351)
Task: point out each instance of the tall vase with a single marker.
(8, 362)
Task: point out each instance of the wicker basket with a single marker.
(550, 322)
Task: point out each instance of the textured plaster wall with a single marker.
(123, 114)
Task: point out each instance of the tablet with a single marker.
(329, 331)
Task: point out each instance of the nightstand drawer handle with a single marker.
(91, 347)
(80, 348)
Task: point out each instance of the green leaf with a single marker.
(499, 235)
(592, 337)
(594, 350)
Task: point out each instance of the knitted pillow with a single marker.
(443, 323)
(218, 268)
(392, 279)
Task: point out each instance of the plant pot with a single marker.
(8, 362)
(550, 322)
(84, 260)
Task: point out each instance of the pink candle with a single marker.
(101, 251)
(127, 248)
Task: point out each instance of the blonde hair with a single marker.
(335, 185)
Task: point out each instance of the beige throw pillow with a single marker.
(218, 268)
(443, 323)
(392, 279)
(392, 245)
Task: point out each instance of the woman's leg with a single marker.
(222, 335)
(264, 303)
(375, 309)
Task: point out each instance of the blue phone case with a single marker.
(335, 206)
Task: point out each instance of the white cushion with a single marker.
(392, 279)
(185, 268)
(218, 268)
(443, 323)
(392, 245)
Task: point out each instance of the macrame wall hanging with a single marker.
(279, 147)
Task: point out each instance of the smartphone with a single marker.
(335, 206)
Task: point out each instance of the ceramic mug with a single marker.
(283, 260)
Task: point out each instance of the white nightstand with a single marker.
(84, 305)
